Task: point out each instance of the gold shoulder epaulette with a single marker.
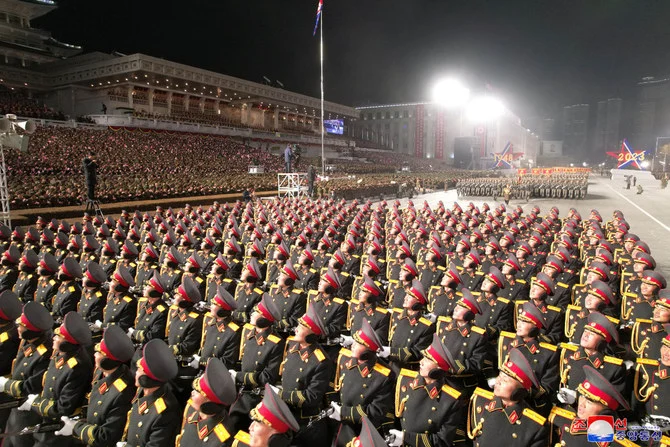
(160, 308)
(338, 300)
(409, 373)
(562, 284)
(345, 352)
(425, 321)
(72, 362)
(243, 436)
(562, 412)
(534, 416)
(249, 327)
(451, 391)
(613, 360)
(641, 361)
(484, 393)
(478, 330)
(504, 300)
(193, 314)
(554, 308)
(127, 299)
(318, 353)
(274, 339)
(382, 369)
(548, 346)
(259, 291)
(507, 334)
(382, 310)
(569, 347)
(520, 281)
(643, 320)
(233, 326)
(573, 307)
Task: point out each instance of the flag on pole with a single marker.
(318, 16)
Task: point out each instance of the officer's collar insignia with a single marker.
(662, 372)
(464, 330)
(365, 371)
(60, 362)
(532, 348)
(433, 392)
(513, 416)
(28, 351)
(102, 389)
(143, 407)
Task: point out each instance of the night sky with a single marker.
(537, 55)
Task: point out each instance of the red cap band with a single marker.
(204, 386)
(274, 421)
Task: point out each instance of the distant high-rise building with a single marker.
(575, 130)
(608, 126)
(651, 117)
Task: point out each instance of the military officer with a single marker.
(503, 416)
(155, 414)
(431, 274)
(69, 291)
(543, 286)
(221, 335)
(497, 313)
(365, 385)
(206, 421)
(247, 293)
(121, 308)
(9, 271)
(369, 307)
(398, 287)
(597, 396)
(652, 389)
(516, 288)
(640, 306)
(272, 423)
(261, 352)
(111, 394)
(599, 298)
(218, 277)
(431, 412)
(442, 298)
(34, 328)
(290, 302)
(10, 310)
(542, 356)
(306, 373)
(184, 333)
(108, 254)
(409, 331)
(171, 268)
(647, 335)
(152, 315)
(598, 336)
(93, 300)
(67, 378)
(47, 284)
(331, 309)
(147, 266)
(466, 342)
(26, 282)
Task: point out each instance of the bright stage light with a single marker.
(645, 164)
(484, 108)
(450, 93)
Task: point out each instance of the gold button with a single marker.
(139, 424)
(514, 435)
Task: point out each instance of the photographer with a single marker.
(90, 167)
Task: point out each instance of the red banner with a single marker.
(439, 135)
(418, 138)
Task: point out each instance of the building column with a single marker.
(275, 119)
(130, 96)
(244, 115)
(169, 103)
(151, 100)
(201, 104)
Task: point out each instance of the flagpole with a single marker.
(323, 127)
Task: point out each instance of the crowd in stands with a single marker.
(133, 166)
(23, 106)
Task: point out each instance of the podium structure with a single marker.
(292, 185)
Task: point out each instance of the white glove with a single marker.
(491, 382)
(276, 389)
(347, 341)
(337, 408)
(195, 363)
(3, 382)
(121, 444)
(97, 324)
(385, 352)
(28, 403)
(398, 436)
(432, 317)
(67, 428)
(233, 373)
(628, 364)
(130, 332)
(567, 396)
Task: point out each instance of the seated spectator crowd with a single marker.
(323, 322)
